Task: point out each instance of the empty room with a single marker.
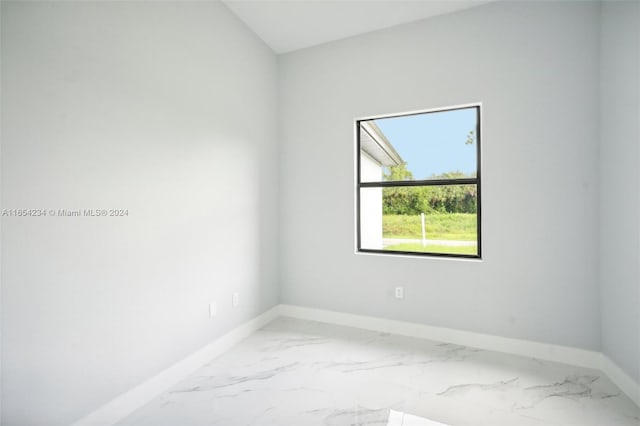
(320, 213)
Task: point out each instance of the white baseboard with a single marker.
(125, 404)
(621, 379)
(556, 353)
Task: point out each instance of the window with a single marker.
(418, 183)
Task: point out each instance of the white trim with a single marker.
(123, 405)
(419, 111)
(384, 147)
(556, 353)
(356, 194)
(621, 379)
(419, 256)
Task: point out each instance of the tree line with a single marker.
(427, 199)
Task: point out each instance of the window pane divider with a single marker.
(428, 182)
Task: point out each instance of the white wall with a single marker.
(620, 179)
(535, 68)
(166, 109)
(370, 204)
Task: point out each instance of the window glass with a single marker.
(419, 183)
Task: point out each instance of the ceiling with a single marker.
(287, 25)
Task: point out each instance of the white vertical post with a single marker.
(424, 234)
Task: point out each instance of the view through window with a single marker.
(419, 183)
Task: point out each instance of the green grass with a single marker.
(473, 250)
(439, 226)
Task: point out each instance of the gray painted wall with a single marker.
(620, 178)
(165, 109)
(535, 68)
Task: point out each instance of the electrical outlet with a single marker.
(235, 300)
(213, 309)
(399, 292)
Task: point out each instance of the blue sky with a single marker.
(433, 143)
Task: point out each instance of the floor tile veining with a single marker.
(302, 373)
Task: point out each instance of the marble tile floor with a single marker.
(303, 373)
